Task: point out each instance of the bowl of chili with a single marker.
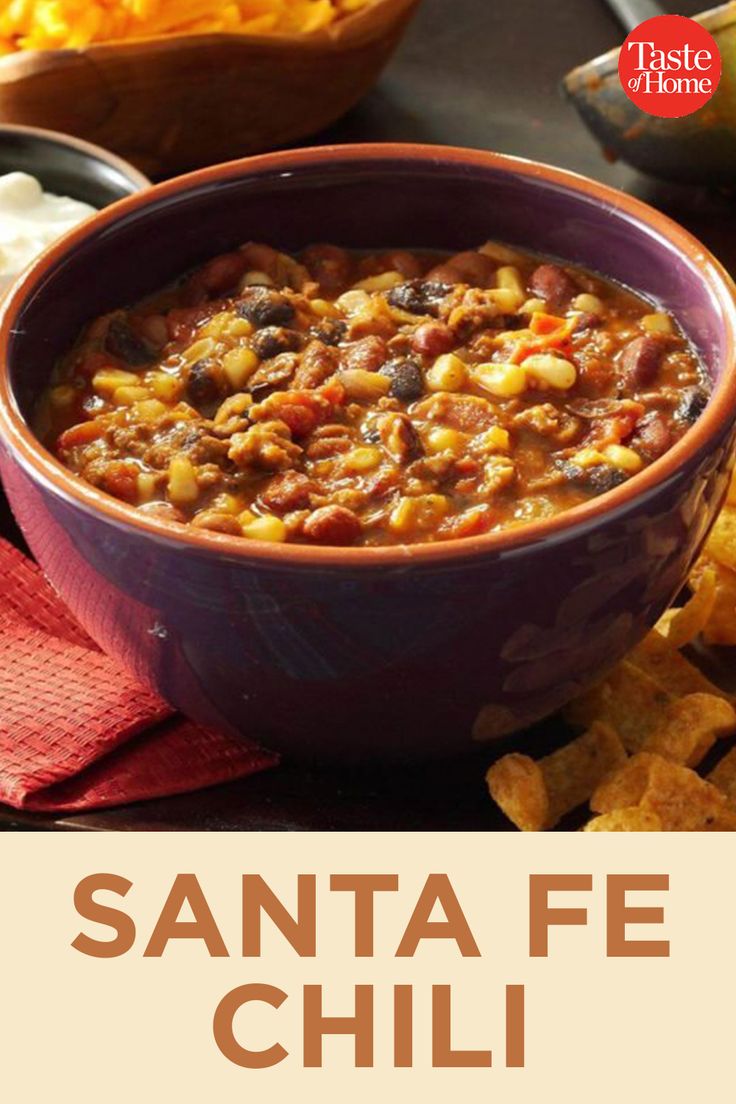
(396, 643)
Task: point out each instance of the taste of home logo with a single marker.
(669, 66)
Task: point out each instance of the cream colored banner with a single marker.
(138, 1026)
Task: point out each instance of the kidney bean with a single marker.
(432, 339)
(399, 436)
(419, 296)
(329, 265)
(369, 353)
(407, 382)
(333, 525)
(317, 363)
(468, 267)
(272, 340)
(587, 320)
(652, 436)
(641, 359)
(262, 306)
(552, 283)
(218, 275)
(260, 257)
(288, 491)
(399, 260)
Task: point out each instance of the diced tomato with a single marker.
(299, 418)
(469, 524)
(121, 479)
(80, 434)
(333, 391)
(543, 324)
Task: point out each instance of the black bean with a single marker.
(122, 342)
(406, 378)
(263, 306)
(204, 384)
(692, 404)
(272, 340)
(419, 296)
(273, 374)
(330, 331)
(598, 478)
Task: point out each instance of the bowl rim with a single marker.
(720, 411)
(133, 175)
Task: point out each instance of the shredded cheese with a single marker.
(55, 24)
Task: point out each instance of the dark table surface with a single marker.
(482, 73)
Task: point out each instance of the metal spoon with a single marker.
(697, 149)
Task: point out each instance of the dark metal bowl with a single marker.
(68, 166)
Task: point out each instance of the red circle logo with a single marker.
(669, 66)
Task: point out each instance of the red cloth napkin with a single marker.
(77, 732)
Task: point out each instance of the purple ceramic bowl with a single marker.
(365, 652)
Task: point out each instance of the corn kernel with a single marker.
(500, 253)
(588, 458)
(422, 512)
(323, 308)
(353, 302)
(448, 373)
(442, 439)
(146, 486)
(506, 299)
(238, 366)
(63, 395)
(148, 410)
(233, 407)
(165, 387)
(107, 380)
(216, 326)
(551, 371)
(238, 327)
(493, 440)
(533, 306)
(383, 282)
(200, 349)
(226, 504)
(511, 337)
(625, 459)
(361, 384)
(183, 487)
(362, 459)
(590, 304)
(508, 276)
(266, 528)
(127, 395)
(502, 380)
(657, 323)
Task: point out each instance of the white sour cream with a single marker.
(30, 219)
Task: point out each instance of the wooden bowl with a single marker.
(174, 103)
